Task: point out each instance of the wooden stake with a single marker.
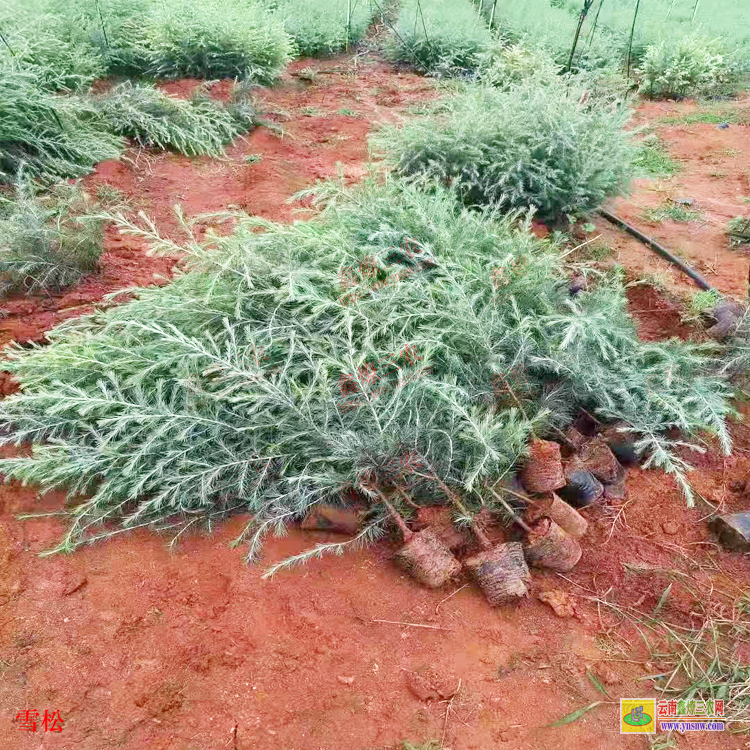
(581, 18)
(632, 32)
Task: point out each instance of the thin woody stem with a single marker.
(406, 498)
(478, 531)
(405, 530)
(510, 510)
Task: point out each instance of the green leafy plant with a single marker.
(654, 159)
(670, 211)
(547, 148)
(323, 27)
(161, 412)
(704, 300)
(690, 66)
(738, 230)
(443, 37)
(194, 126)
(46, 243)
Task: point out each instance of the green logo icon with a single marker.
(637, 718)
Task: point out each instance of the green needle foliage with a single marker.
(153, 119)
(72, 42)
(440, 36)
(46, 135)
(553, 147)
(216, 39)
(691, 66)
(323, 27)
(222, 392)
(46, 243)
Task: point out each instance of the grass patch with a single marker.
(738, 230)
(700, 303)
(708, 116)
(597, 252)
(653, 158)
(697, 662)
(670, 211)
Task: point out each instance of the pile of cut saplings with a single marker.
(557, 481)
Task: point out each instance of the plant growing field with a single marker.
(217, 39)
(46, 243)
(440, 36)
(542, 147)
(163, 38)
(223, 391)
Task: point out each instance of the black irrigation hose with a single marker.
(660, 249)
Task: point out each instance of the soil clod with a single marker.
(597, 457)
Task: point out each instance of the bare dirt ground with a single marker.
(141, 646)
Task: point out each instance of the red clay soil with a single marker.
(715, 174)
(142, 647)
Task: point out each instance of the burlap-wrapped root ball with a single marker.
(501, 572)
(543, 471)
(549, 546)
(427, 559)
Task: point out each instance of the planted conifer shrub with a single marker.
(322, 27)
(250, 385)
(507, 65)
(216, 39)
(194, 126)
(45, 135)
(45, 243)
(550, 148)
(689, 66)
(440, 36)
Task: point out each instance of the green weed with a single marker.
(654, 159)
(670, 211)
